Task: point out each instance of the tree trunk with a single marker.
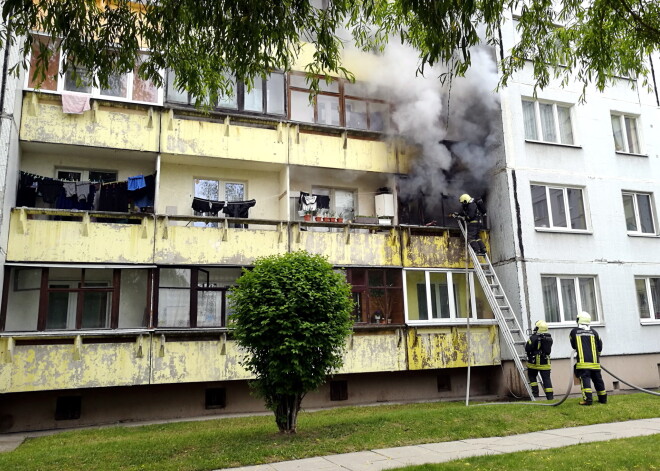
(286, 412)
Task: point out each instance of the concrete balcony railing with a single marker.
(52, 235)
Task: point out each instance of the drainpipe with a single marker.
(521, 259)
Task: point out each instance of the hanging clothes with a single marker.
(207, 207)
(307, 202)
(322, 201)
(50, 190)
(136, 183)
(143, 197)
(114, 197)
(238, 209)
(27, 190)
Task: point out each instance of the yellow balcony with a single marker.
(34, 236)
(179, 240)
(349, 244)
(114, 126)
(429, 247)
(369, 351)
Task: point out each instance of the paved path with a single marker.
(388, 458)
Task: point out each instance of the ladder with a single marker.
(499, 303)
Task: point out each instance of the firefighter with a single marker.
(588, 345)
(473, 212)
(538, 348)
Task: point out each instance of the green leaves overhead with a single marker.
(204, 41)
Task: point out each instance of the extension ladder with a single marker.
(499, 303)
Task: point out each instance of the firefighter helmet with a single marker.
(465, 198)
(584, 318)
(541, 327)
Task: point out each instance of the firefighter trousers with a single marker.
(532, 374)
(586, 376)
(473, 229)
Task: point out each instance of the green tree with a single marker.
(204, 41)
(291, 316)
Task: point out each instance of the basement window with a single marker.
(216, 398)
(339, 390)
(68, 408)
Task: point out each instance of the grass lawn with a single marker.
(638, 453)
(222, 443)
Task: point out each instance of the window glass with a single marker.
(617, 132)
(299, 81)
(378, 116)
(540, 206)
(629, 211)
(483, 308)
(53, 67)
(102, 176)
(332, 87)
(61, 307)
(569, 299)
(631, 132)
(173, 307)
(356, 114)
(654, 283)
(143, 89)
(357, 89)
(460, 294)
(328, 110)
(642, 298)
(345, 204)
(547, 122)
(557, 207)
(80, 81)
(588, 296)
(301, 109)
(565, 128)
(133, 307)
(275, 94)
(116, 86)
(439, 296)
(550, 299)
(529, 116)
(209, 308)
(173, 94)
(96, 308)
(645, 213)
(576, 208)
(253, 99)
(234, 192)
(174, 278)
(207, 189)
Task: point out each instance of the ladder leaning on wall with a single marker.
(499, 303)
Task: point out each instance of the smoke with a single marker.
(456, 127)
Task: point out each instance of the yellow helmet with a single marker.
(465, 198)
(584, 318)
(541, 327)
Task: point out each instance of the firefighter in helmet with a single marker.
(588, 345)
(538, 348)
(473, 212)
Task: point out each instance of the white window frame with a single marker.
(624, 133)
(634, 195)
(569, 222)
(453, 319)
(84, 173)
(595, 317)
(555, 117)
(96, 91)
(654, 311)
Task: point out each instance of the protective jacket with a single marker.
(588, 345)
(474, 210)
(538, 348)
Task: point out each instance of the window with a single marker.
(449, 296)
(63, 298)
(194, 297)
(341, 202)
(339, 103)
(123, 87)
(638, 209)
(648, 297)
(624, 130)
(217, 190)
(266, 96)
(378, 295)
(547, 122)
(565, 296)
(77, 175)
(550, 206)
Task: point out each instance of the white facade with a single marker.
(530, 247)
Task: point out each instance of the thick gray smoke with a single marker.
(455, 126)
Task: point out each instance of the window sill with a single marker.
(450, 322)
(631, 154)
(99, 98)
(642, 235)
(571, 325)
(556, 144)
(563, 231)
(649, 321)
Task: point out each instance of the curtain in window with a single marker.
(529, 117)
(629, 211)
(588, 296)
(440, 296)
(301, 109)
(631, 132)
(275, 93)
(565, 128)
(253, 99)
(642, 298)
(617, 133)
(550, 299)
(557, 207)
(52, 71)
(540, 206)
(576, 208)
(655, 296)
(645, 213)
(569, 298)
(547, 123)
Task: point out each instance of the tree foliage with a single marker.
(204, 41)
(291, 316)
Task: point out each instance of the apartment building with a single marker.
(134, 213)
(578, 218)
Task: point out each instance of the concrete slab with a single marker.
(404, 452)
(10, 442)
(320, 464)
(363, 461)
